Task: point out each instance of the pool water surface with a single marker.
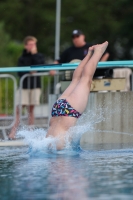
(86, 174)
(35, 172)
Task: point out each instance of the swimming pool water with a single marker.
(88, 174)
(95, 173)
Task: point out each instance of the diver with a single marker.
(72, 103)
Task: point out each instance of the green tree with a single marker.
(30, 17)
(100, 20)
(9, 50)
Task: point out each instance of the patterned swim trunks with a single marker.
(63, 108)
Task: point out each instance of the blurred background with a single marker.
(99, 20)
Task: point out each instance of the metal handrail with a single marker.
(14, 107)
(66, 66)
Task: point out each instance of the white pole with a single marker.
(57, 29)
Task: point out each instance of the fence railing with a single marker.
(8, 85)
(8, 103)
(66, 66)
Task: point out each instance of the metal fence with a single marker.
(8, 85)
(9, 100)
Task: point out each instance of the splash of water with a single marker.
(38, 143)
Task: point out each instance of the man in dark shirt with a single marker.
(30, 57)
(74, 53)
(77, 52)
(31, 88)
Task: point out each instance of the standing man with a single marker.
(74, 53)
(77, 52)
(31, 91)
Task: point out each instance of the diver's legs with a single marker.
(79, 96)
(77, 74)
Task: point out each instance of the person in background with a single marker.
(31, 91)
(77, 52)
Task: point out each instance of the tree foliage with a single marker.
(100, 20)
(9, 50)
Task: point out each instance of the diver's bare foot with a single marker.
(90, 51)
(91, 48)
(101, 47)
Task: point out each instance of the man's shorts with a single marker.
(28, 96)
